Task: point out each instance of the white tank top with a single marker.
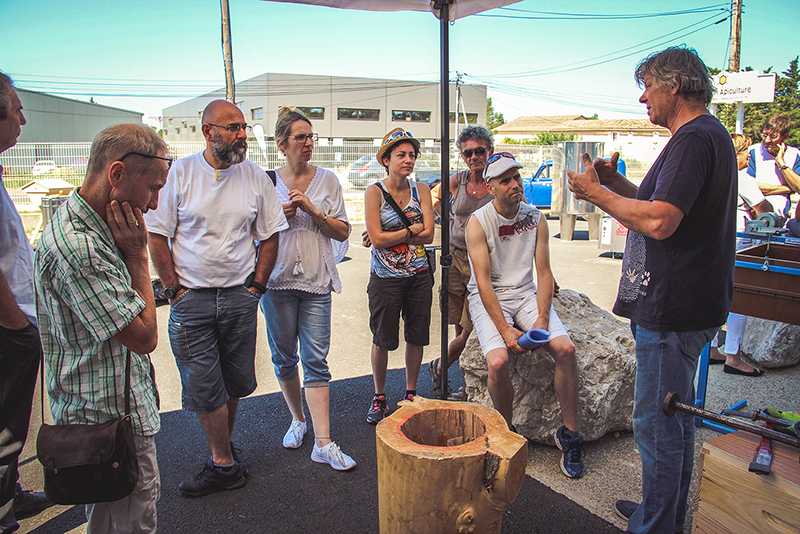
(512, 246)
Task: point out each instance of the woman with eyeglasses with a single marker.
(400, 279)
(297, 304)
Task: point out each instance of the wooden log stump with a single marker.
(447, 468)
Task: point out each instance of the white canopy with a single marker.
(458, 8)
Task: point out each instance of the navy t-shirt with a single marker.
(685, 282)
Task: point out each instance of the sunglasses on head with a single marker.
(398, 135)
(480, 151)
(497, 155)
(168, 159)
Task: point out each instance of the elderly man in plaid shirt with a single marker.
(94, 300)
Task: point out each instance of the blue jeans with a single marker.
(20, 353)
(665, 362)
(298, 318)
(212, 333)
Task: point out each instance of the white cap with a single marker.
(503, 162)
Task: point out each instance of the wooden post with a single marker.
(447, 468)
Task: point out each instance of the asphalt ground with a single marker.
(288, 493)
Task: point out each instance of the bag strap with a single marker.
(127, 382)
(273, 176)
(390, 200)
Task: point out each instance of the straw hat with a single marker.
(398, 135)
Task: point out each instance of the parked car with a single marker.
(366, 171)
(539, 187)
(43, 166)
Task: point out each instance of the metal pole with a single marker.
(444, 20)
(736, 47)
(227, 51)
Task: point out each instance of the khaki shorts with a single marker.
(458, 311)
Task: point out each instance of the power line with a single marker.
(548, 15)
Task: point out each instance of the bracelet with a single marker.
(784, 167)
(324, 221)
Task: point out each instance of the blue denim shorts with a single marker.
(299, 329)
(213, 337)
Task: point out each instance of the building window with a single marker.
(177, 131)
(312, 112)
(410, 116)
(472, 118)
(194, 128)
(257, 113)
(354, 114)
(614, 136)
(166, 131)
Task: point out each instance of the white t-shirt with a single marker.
(512, 246)
(763, 168)
(749, 195)
(16, 255)
(306, 257)
(213, 219)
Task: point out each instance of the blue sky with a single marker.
(151, 50)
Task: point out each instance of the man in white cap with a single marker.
(505, 239)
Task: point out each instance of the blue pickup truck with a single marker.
(539, 187)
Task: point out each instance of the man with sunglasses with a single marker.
(95, 304)
(215, 207)
(775, 166)
(506, 239)
(677, 281)
(468, 193)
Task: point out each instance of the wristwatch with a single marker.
(170, 292)
(250, 281)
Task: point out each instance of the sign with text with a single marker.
(748, 87)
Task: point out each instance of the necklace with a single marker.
(475, 189)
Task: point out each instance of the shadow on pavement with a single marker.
(288, 493)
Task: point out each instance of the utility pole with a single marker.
(736, 48)
(736, 35)
(227, 50)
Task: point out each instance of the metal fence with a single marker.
(352, 161)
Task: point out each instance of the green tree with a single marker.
(542, 138)
(493, 118)
(787, 101)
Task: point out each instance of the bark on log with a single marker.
(447, 468)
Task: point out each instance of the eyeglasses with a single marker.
(398, 135)
(480, 151)
(497, 155)
(234, 128)
(168, 159)
(302, 138)
(771, 134)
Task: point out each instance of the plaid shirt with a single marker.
(83, 299)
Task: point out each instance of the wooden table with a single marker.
(733, 500)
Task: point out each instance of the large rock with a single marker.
(604, 348)
(770, 343)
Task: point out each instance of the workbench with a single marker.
(732, 500)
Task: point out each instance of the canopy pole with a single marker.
(446, 260)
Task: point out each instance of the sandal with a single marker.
(436, 378)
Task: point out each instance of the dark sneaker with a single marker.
(571, 459)
(211, 479)
(28, 504)
(236, 452)
(625, 509)
(378, 410)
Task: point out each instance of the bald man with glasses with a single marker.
(215, 207)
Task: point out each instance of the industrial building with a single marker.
(338, 107)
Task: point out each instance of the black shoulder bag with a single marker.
(430, 253)
(86, 464)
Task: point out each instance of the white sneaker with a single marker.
(333, 455)
(294, 436)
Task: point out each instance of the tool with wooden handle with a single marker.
(672, 404)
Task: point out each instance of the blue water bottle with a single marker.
(533, 338)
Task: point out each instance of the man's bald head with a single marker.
(220, 109)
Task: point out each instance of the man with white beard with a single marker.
(214, 208)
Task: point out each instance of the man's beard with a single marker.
(231, 154)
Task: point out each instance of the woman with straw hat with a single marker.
(400, 277)
(297, 303)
